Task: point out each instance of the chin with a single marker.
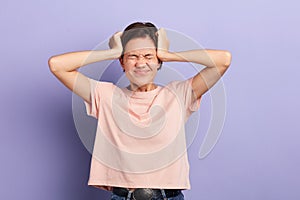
(142, 83)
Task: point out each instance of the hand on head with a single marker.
(162, 44)
(115, 43)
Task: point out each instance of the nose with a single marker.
(141, 61)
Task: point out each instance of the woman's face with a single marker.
(140, 61)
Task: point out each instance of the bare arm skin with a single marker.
(216, 62)
(65, 66)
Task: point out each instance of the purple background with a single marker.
(258, 154)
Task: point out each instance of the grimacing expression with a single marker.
(140, 61)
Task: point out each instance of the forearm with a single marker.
(208, 58)
(72, 61)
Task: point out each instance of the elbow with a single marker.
(223, 59)
(227, 59)
(53, 64)
(224, 62)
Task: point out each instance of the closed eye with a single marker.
(149, 56)
(132, 57)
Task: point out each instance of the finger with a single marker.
(159, 30)
(118, 34)
(156, 33)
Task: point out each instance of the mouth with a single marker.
(141, 72)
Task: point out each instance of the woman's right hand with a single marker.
(116, 44)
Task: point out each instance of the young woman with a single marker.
(140, 148)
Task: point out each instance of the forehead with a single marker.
(140, 45)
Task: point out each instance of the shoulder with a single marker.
(180, 85)
(101, 88)
(101, 84)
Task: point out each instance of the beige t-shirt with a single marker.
(140, 139)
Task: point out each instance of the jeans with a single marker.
(178, 197)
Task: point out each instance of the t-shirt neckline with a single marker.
(141, 94)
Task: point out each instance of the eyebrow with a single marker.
(132, 54)
(147, 54)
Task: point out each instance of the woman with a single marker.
(140, 150)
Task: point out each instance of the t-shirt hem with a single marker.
(108, 186)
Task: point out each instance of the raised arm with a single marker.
(65, 66)
(216, 62)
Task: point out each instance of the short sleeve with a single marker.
(185, 91)
(92, 108)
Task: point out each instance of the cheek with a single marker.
(154, 63)
(128, 65)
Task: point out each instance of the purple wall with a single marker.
(257, 156)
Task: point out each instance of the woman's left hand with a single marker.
(162, 45)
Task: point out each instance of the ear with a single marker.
(121, 63)
(160, 64)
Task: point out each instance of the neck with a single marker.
(144, 88)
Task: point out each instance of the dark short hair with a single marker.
(139, 30)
